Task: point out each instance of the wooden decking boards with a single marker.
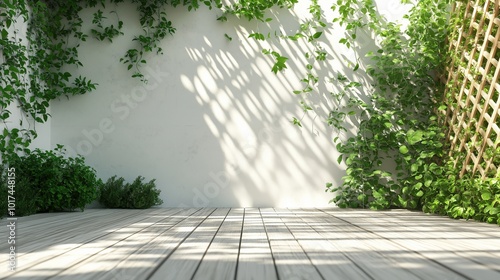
(250, 243)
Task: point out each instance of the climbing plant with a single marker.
(398, 127)
(34, 62)
(399, 155)
(397, 158)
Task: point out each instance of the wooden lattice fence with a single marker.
(473, 114)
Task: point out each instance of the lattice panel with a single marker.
(473, 114)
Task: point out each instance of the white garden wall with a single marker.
(213, 123)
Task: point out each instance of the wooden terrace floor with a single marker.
(250, 243)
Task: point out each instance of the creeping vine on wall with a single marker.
(33, 61)
(401, 125)
(398, 126)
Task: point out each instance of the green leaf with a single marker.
(414, 136)
(296, 122)
(339, 159)
(257, 36)
(317, 35)
(486, 196)
(5, 34)
(403, 149)
(414, 168)
(428, 183)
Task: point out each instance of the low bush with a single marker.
(3, 195)
(47, 181)
(21, 197)
(115, 193)
(465, 198)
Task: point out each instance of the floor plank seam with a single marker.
(300, 245)
(457, 254)
(344, 254)
(269, 243)
(402, 246)
(239, 245)
(155, 269)
(110, 246)
(75, 248)
(210, 244)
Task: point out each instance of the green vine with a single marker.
(32, 68)
(398, 157)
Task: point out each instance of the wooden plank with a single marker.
(52, 225)
(36, 249)
(382, 258)
(54, 261)
(182, 263)
(302, 243)
(59, 229)
(221, 258)
(327, 258)
(138, 255)
(255, 261)
(290, 259)
(478, 242)
(433, 245)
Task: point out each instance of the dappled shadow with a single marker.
(236, 243)
(213, 123)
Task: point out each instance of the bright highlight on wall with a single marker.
(212, 124)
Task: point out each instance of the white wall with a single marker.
(212, 125)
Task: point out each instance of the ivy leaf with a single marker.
(403, 149)
(414, 136)
(486, 196)
(339, 159)
(257, 36)
(317, 35)
(5, 34)
(296, 122)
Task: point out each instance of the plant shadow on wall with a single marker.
(255, 138)
(248, 109)
(234, 101)
(218, 120)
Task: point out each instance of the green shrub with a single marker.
(23, 201)
(47, 181)
(115, 193)
(3, 195)
(465, 198)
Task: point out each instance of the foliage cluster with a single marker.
(115, 193)
(47, 181)
(35, 72)
(399, 126)
(468, 197)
